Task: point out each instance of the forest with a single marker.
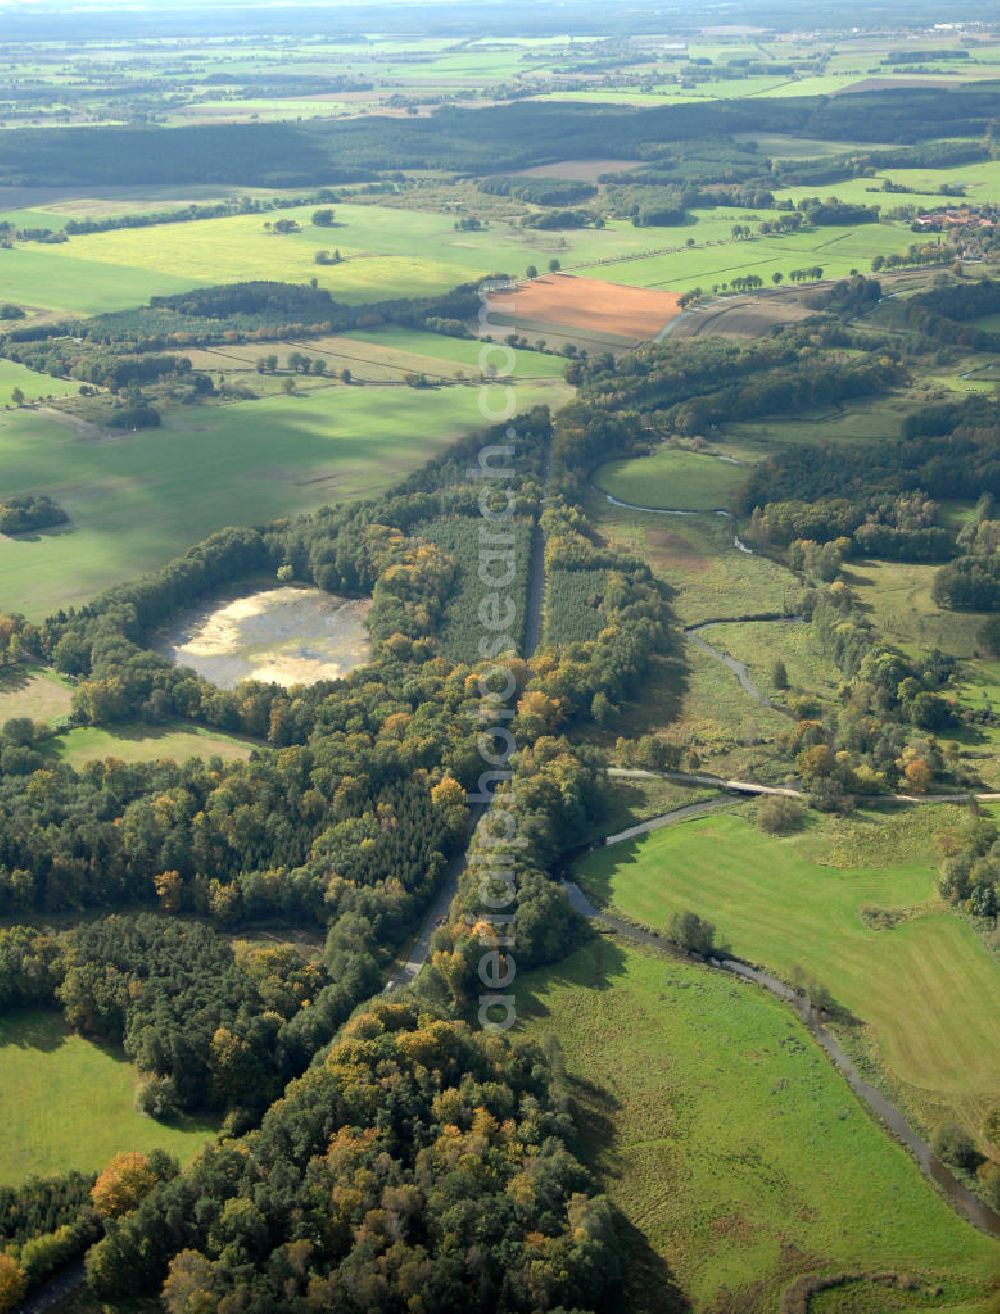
(348, 828)
(507, 137)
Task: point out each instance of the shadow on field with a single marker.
(14, 679)
(648, 1284)
(34, 1029)
(650, 1287)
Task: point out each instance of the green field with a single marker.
(978, 687)
(468, 355)
(629, 800)
(30, 276)
(392, 252)
(32, 384)
(145, 743)
(137, 499)
(678, 480)
(388, 253)
(735, 1152)
(855, 421)
(36, 692)
(982, 181)
(927, 989)
(762, 644)
(713, 717)
(837, 251)
(898, 598)
(696, 557)
(67, 1103)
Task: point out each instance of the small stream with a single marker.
(738, 668)
(958, 1195)
(676, 511)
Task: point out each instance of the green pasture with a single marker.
(629, 800)
(977, 688)
(37, 692)
(696, 557)
(837, 251)
(452, 354)
(34, 385)
(982, 180)
(137, 499)
(735, 1152)
(35, 276)
(388, 253)
(714, 718)
(927, 988)
(66, 1103)
(759, 645)
(860, 420)
(897, 596)
(673, 479)
(146, 743)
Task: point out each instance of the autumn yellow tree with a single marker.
(191, 1286)
(123, 1185)
(918, 775)
(13, 1283)
(169, 886)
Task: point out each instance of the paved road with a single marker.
(786, 791)
(420, 950)
(686, 813)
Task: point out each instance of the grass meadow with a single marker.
(673, 479)
(696, 557)
(146, 743)
(67, 1103)
(33, 385)
(36, 692)
(762, 644)
(735, 1152)
(837, 251)
(897, 596)
(382, 356)
(926, 990)
(387, 253)
(446, 355)
(137, 499)
(390, 252)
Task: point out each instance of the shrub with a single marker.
(955, 1146)
(692, 932)
(777, 815)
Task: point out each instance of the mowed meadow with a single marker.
(137, 499)
(66, 1103)
(734, 1150)
(924, 987)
